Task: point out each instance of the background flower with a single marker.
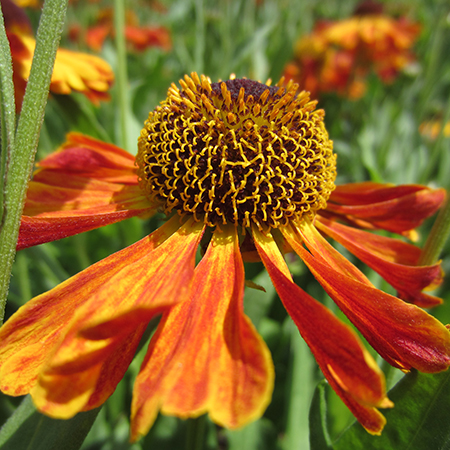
(338, 56)
(73, 71)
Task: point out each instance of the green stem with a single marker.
(27, 136)
(200, 36)
(7, 106)
(121, 70)
(195, 439)
(438, 236)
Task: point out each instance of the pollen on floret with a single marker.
(237, 151)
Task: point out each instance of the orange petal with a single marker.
(87, 157)
(30, 336)
(382, 255)
(404, 334)
(86, 366)
(393, 208)
(206, 356)
(349, 368)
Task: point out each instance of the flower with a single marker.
(73, 71)
(338, 56)
(246, 171)
(139, 38)
(433, 128)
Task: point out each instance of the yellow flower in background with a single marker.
(338, 55)
(246, 172)
(73, 71)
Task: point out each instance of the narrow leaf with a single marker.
(29, 429)
(319, 438)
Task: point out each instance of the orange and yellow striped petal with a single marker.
(402, 333)
(383, 254)
(345, 363)
(393, 208)
(206, 356)
(47, 330)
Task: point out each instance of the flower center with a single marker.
(237, 152)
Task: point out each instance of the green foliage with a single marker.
(418, 421)
(29, 429)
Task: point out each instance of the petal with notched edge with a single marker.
(349, 368)
(393, 208)
(31, 335)
(105, 332)
(404, 334)
(383, 254)
(206, 356)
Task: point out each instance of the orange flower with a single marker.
(338, 56)
(73, 71)
(432, 129)
(139, 38)
(248, 171)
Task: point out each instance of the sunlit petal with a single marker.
(206, 356)
(31, 334)
(95, 340)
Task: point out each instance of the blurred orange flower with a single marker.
(338, 56)
(139, 38)
(73, 71)
(245, 171)
(432, 128)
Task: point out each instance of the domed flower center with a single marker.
(237, 152)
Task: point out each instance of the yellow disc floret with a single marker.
(237, 152)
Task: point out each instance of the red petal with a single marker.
(382, 255)
(84, 185)
(344, 362)
(397, 208)
(206, 356)
(90, 158)
(405, 335)
(53, 212)
(369, 192)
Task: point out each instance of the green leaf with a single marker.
(319, 438)
(28, 429)
(419, 420)
(259, 435)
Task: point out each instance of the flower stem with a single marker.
(7, 106)
(438, 235)
(195, 439)
(23, 151)
(301, 392)
(121, 70)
